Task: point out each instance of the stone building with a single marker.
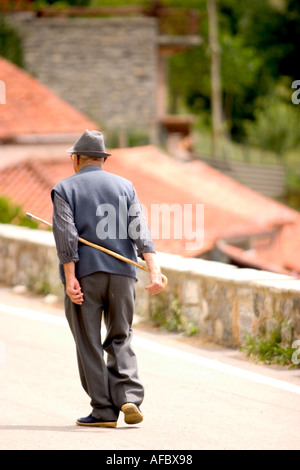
(110, 68)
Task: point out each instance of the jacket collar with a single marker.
(88, 168)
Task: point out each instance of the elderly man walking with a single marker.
(102, 208)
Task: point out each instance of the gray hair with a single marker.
(94, 159)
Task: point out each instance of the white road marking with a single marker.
(33, 315)
(166, 351)
(215, 365)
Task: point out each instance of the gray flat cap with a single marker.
(90, 144)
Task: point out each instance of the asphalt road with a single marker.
(197, 398)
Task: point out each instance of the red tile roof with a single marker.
(212, 187)
(229, 208)
(31, 108)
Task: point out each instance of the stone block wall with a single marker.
(104, 67)
(217, 300)
(28, 258)
(222, 302)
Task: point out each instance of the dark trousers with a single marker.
(113, 382)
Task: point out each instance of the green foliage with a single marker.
(61, 3)
(137, 138)
(160, 315)
(241, 67)
(269, 350)
(170, 317)
(258, 47)
(166, 3)
(133, 138)
(11, 213)
(189, 80)
(276, 126)
(91, 3)
(270, 30)
(292, 193)
(10, 43)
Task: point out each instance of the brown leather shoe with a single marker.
(132, 412)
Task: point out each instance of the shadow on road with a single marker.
(74, 428)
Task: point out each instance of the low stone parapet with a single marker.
(220, 301)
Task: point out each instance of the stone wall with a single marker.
(104, 67)
(223, 302)
(217, 300)
(28, 258)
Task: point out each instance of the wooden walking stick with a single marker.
(101, 248)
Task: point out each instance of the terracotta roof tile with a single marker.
(211, 186)
(31, 108)
(229, 208)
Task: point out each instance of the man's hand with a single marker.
(73, 288)
(156, 284)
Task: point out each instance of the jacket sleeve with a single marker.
(138, 229)
(64, 230)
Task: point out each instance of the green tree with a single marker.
(240, 74)
(10, 43)
(258, 46)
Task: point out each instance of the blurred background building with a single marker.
(109, 63)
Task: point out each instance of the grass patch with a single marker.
(269, 350)
(170, 317)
